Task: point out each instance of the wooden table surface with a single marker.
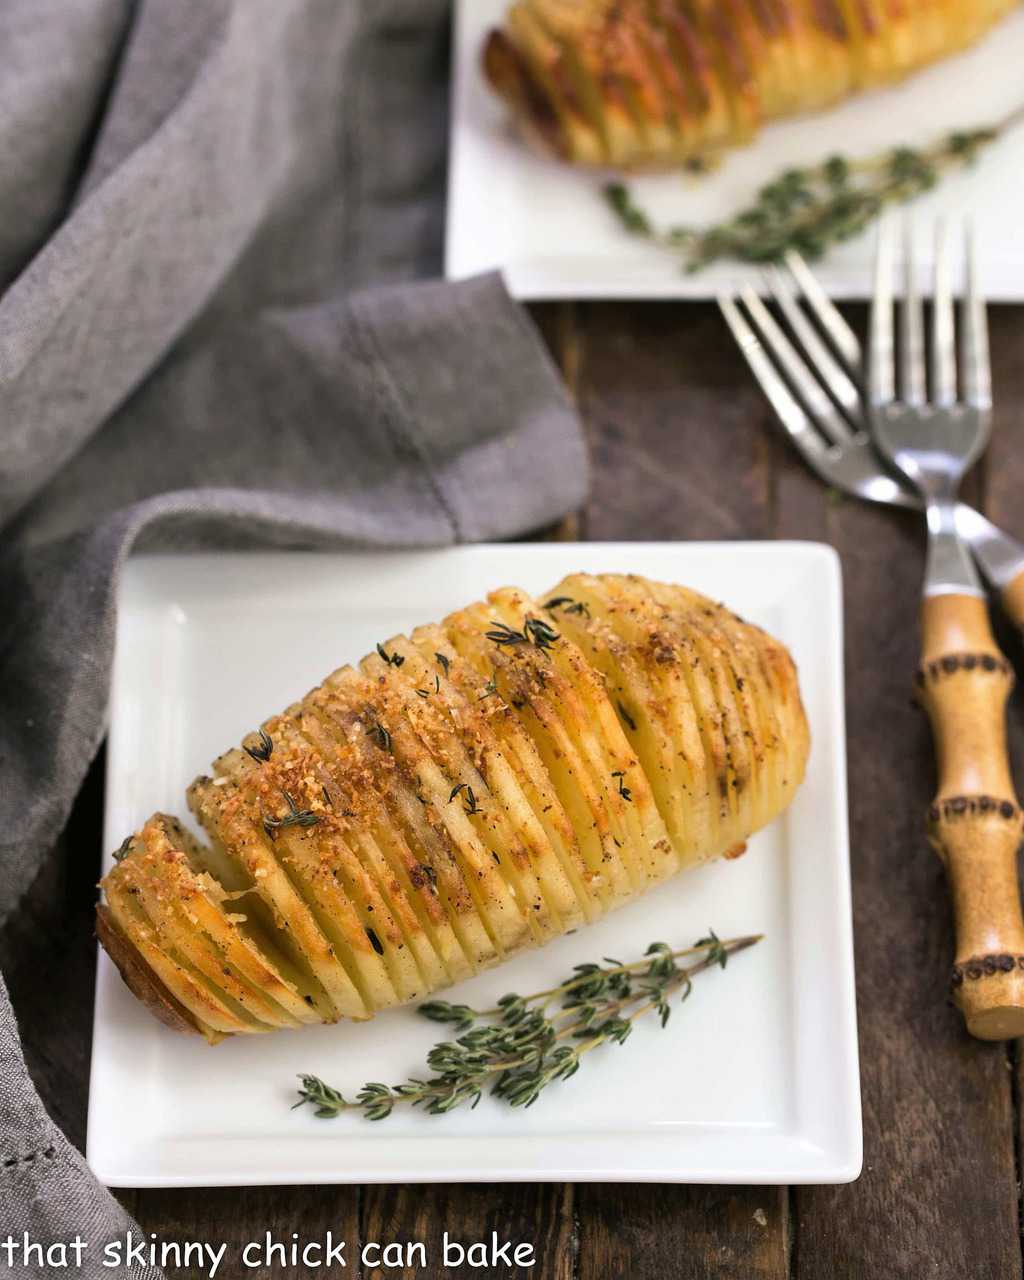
(684, 448)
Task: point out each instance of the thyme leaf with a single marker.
(392, 659)
(568, 605)
(261, 753)
(123, 849)
(379, 734)
(295, 817)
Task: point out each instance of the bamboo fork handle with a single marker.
(975, 820)
(1013, 599)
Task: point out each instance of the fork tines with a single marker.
(809, 369)
(912, 388)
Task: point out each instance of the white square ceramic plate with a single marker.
(546, 225)
(754, 1080)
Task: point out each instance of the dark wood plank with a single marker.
(701, 1233)
(679, 451)
(240, 1216)
(670, 417)
(539, 1214)
(938, 1194)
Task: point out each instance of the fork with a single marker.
(828, 427)
(963, 681)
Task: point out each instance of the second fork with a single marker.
(963, 681)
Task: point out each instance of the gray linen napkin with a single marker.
(196, 195)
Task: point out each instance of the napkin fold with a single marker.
(212, 332)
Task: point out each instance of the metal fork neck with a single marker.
(949, 569)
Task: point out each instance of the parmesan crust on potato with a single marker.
(475, 788)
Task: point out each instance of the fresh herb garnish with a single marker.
(295, 817)
(526, 1043)
(624, 791)
(812, 208)
(568, 605)
(443, 662)
(502, 633)
(535, 631)
(470, 805)
(626, 716)
(261, 753)
(123, 849)
(379, 734)
(392, 659)
(540, 633)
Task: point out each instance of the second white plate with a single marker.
(547, 227)
(754, 1080)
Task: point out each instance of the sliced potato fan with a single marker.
(653, 83)
(481, 786)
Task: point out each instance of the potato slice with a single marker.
(416, 796)
(645, 845)
(546, 817)
(455, 734)
(345, 900)
(559, 118)
(212, 1015)
(677, 697)
(421, 754)
(191, 910)
(644, 714)
(227, 817)
(248, 948)
(541, 715)
(697, 67)
(409, 884)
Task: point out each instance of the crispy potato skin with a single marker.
(139, 978)
(649, 84)
(484, 786)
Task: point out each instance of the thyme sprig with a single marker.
(812, 208)
(526, 1043)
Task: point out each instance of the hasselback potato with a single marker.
(476, 788)
(652, 83)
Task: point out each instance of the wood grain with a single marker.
(540, 1214)
(240, 1216)
(683, 447)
